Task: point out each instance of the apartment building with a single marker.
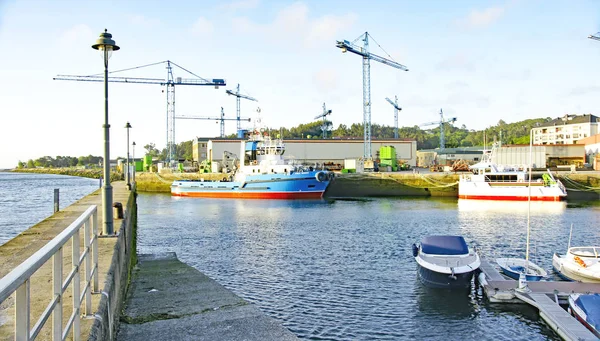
(566, 130)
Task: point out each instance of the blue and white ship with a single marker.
(261, 173)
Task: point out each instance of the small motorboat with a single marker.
(445, 262)
(579, 264)
(514, 267)
(586, 309)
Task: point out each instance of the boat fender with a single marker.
(321, 176)
(579, 261)
(415, 250)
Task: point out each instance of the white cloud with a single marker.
(293, 24)
(202, 26)
(240, 5)
(481, 18)
(140, 20)
(244, 25)
(327, 28)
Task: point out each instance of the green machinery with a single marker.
(387, 157)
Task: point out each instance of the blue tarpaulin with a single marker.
(444, 245)
(590, 304)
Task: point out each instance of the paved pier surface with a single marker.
(169, 300)
(18, 249)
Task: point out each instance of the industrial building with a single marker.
(310, 151)
(542, 156)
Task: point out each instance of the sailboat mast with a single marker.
(529, 198)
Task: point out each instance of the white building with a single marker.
(566, 130)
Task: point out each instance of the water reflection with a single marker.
(512, 207)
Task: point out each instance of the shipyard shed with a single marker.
(543, 156)
(311, 151)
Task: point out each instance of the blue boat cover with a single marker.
(444, 245)
(590, 304)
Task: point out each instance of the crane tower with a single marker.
(441, 122)
(238, 96)
(396, 109)
(347, 46)
(222, 119)
(324, 125)
(170, 83)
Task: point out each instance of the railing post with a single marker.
(57, 285)
(22, 312)
(95, 249)
(76, 285)
(88, 265)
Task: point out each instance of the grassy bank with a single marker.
(84, 173)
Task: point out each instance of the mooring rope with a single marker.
(578, 186)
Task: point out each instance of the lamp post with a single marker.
(106, 45)
(127, 126)
(134, 164)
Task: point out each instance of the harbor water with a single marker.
(27, 198)
(343, 270)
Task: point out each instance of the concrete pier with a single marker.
(169, 300)
(18, 249)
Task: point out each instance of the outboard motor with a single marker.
(415, 250)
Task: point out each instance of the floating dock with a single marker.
(546, 296)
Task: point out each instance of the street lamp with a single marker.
(134, 165)
(105, 44)
(127, 126)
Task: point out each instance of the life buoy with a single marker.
(321, 176)
(254, 162)
(579, 261)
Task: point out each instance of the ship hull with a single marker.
(304, 185)
(516, 192)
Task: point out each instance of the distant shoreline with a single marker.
(83, 173)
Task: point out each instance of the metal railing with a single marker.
(18, 280)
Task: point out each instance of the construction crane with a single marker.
(325, 124)
(595, 36)
(238, 96)
(169, 82)
(396, 109)
(222, 119)
(441, 122)
(347, 46)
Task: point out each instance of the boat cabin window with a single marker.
(502, 177)
(584, 251)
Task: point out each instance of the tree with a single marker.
(151, 150)
(20, 164)
(30, 164)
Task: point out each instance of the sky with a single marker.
(479, 61)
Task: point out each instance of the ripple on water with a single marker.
(343, 270)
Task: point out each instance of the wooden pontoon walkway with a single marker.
(544, 295)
